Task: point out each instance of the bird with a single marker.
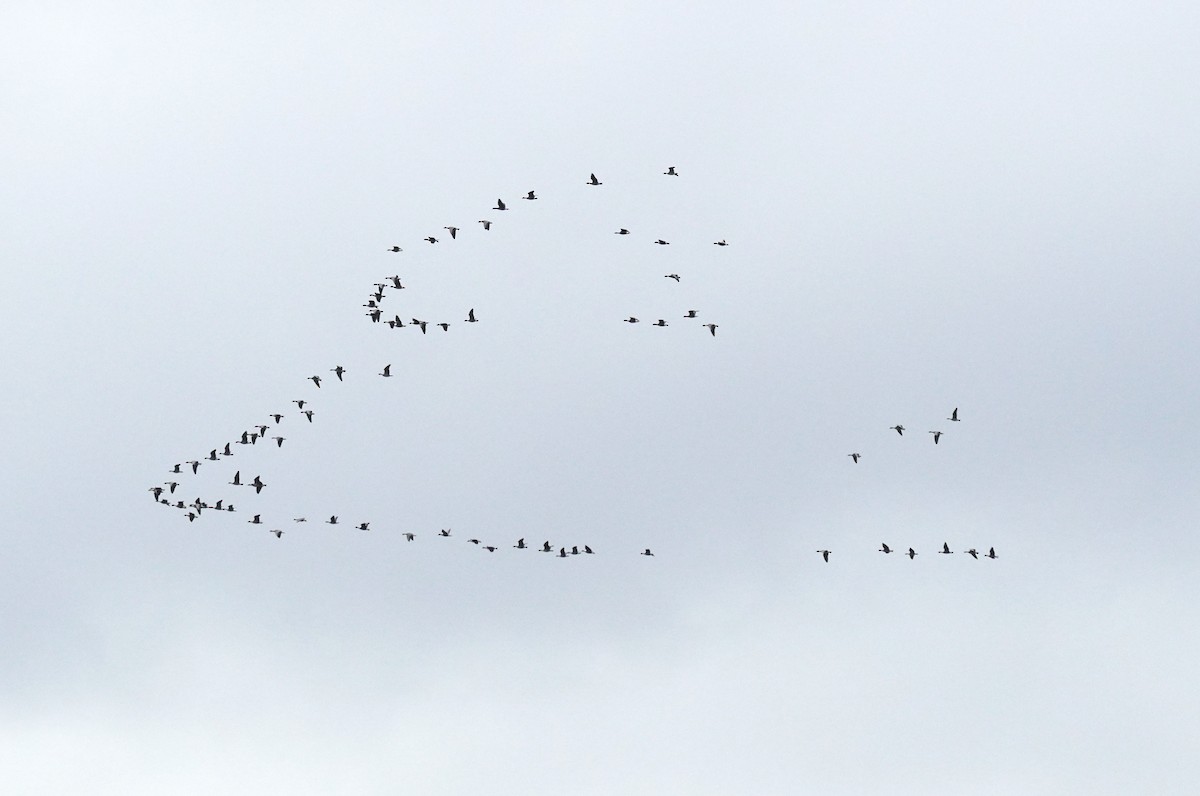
(171, 485)
(396, 282)
(444, 532)
(670, 172)
(315, 380)
(279, 441)
(422, 324)
(991, 553)
(489, 548)
(278, 533)
(973, 553)
(387, 371)
(911, 554)
(431, 239)
(156, 491)
(691, 314)
(308, 413)
(712, 327)
(226, 452)
(945, 551)
(885, 548)
(333, 520)
(452, 230)
(277, 418)
(473, 541)
(824, 555)
(588, 550)
(936, 436)
(954, 415)
(546, 547)
(237, 478)
(646, 552)
(338, 371)
(520, 545)
(530, 195)
(195, 466)
(720, 242)
(299, 519)
(631, 319)
(659, 322)
(362, 526)
(855, 456)
(212, 455)
(445, 326)
(299, 404)
(562, 552)
(471, 317)
(409, 536)
(262, 430)
(487, 225)
(500, 205)
(662, 242)
(395, 249)
(671, 276)
(375, 314)
(258, 485)
(593, 181)
(176, 469)
(575, 550)
(621, 231)
(255, 520)
(898, 429)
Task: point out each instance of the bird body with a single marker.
(885, 548)
(825, 555)
(670, 172)
(712, 327)
(593, 181)
(855, 456)
(936, 436)
(898, 429)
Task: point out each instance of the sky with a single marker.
(928, 206)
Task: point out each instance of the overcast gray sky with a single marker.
(991, 207)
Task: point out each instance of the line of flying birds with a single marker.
(946, 551)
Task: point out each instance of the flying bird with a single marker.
(936, 436)
(387, 371)
(621, 231)
(991, 553)
(720, 242)
(471, 317)
(258, 485)
(486, 224)
(691, 314)
(973, 553)
(659, 322)
(530, 195)
(954, 415)
(593, 181)
(885, 548)
(339, 370)
(662, 242)
(646, 552)
(171, 485)
(276, 418)
(855, 456)
(631, 319)
(308, 413)
(431, 239)
(409, 536)
(278, 534)
(712, 327)
(237, 478)
(452, 230)
(945, 551)
(911, 554)
(444, 532)
(315, 380)
(546, 547)
(898, 429)
(333, 520)
(362, 526)
(299, 519)
(520, 545)
(671, 276)
(195, 466)
(255, 520)
(825, 555)
(395, 249)
(500, 205)
(670, 172)
(445, 326)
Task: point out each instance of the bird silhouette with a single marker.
(855, 456)
(825, 555)
(898, 429)
(885, 548)
(593, 181)
(954, 415)
(936, 436)
(671, 172)
(530, 195)
(712, 327)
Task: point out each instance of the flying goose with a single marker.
(671, 276)
(396, 282)
(176, 469)
(227, 451)
(500, 205)
(308, 413)
(299, 403)
(588, 550)
(621, 231)
(279, 441)
(278, 534)
(387, 371)
(409, 536)
(362, 526)
(445, 326)
(720, 242)
(315, 380)
(659, 322)
(452, 230)
(936, 436)
(255, 520)
(911, 554)
(898, 429)
(212, 455)
(885, 548)
(662, 242)
(474, 541)
(646, 552)
(258, 485)
(338, 371)
(945, 551)
(530, 195)
(954, 415)
(631, 319)
(487, 225)
(855, 456)
(489, 548)
(430, 238)
(171, 485)
(299, 519)
(973, 553)
(691, 314)
(520, 545)
(333, 520)
(471, 316)
(670, 172)
(195, 465)
(712, 327)
(546, 547)
(277, 418)
(444, 532)
(237, 478)
(395, 249)
(991, 553)
(593, 181)
(824, 555)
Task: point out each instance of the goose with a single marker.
(712, 327)
(308, 413)
(227, 451)
(520, 545)
(375, 314)
(670, 172)
(824, 555)
(473, 541)
(593, 181)
(262, 431)
(954, 415)
(191, 515)
(422, 324)
(945, 551)
(333, 520)
(299, 519)
(691, 314)
(279, 441)
(646, 552)
(453, 231)
(662, 242)
(562, 552)
(212, 455)
(430, 238)
(338, 371)
(278, 533)
(299, 403)
(589, 551)
(195, 465)
(720, 242)
(276, 418)
(258, 485)
(396, 282)
(911, 554)
(885, 548)
(176, 469)
(621, 231)
(237, 478)
(530, 195)
(855, 456)
(575, 550)
(395, 249)
(245, 440)
(230, 507)
(255, 520)
(315, 380)
(671, 276)
(991, 553)
(157, 492)
(217, 506)
(631, 319)
(171, 485)
(546, 547)
(396, 323)
(471, 316)
(445, 326)
(444, 532)
(487, 225)
(362, 526)
(659, 322)
(408, 537)
(489, 548)
(898, 429)
(973, 553)
(500, 205)
(387, 371)
(936, 436)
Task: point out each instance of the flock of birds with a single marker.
(165, 493)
